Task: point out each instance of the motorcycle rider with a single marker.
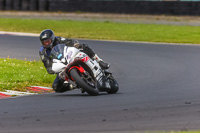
(49, 40)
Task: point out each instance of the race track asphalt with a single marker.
(159, 90)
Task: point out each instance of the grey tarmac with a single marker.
(159, 91)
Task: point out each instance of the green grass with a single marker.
(106, 30)
(19, 74)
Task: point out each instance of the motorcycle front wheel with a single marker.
(83, 83)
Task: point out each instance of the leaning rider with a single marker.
(49, 40)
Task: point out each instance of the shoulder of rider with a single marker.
(66, 41)
(42, 50)
(42, 53)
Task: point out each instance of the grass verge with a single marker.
(19, 74)
(106, 30)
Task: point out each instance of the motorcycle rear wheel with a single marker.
(81, 81)
(114, 86)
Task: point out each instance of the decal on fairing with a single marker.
(60, 55)
(69, 55)
(99, 78)
(85, 59)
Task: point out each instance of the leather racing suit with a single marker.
(58, 84)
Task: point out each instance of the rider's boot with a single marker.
(68, 86)
(62, 86)
(102, 64)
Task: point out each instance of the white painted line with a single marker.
(141, 42)
(17, 93)
(19, 33)
(43, 87)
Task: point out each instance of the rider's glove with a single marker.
(50, 71)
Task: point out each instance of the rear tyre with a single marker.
(114, 86)
(82, 82)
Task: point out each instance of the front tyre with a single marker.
(82, 82)
(114, 86)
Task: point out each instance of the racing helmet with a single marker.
(47, 38)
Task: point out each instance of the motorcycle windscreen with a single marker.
(58, 51)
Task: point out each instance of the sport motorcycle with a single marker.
(81, 71)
